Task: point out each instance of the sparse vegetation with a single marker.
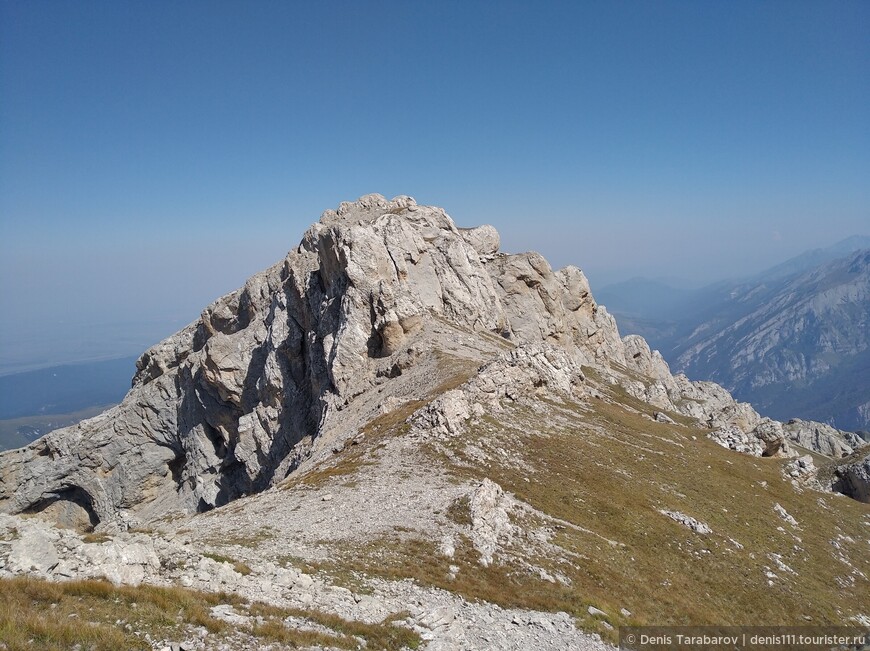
(101, 617)
(387, 635)
(242, 568)
(608, 476)
(61, 615)
(460, 511)
(251, 540)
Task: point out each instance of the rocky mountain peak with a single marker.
(237, 399)
(462, 432)
(382, 307)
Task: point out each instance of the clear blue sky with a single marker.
(155, 154)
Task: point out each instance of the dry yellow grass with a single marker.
(40, 615)
(242, 568)
(610, 473)
(98, 616)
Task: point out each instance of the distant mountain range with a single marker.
(794, 340)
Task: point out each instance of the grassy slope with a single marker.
(102, 617)
(606, 469)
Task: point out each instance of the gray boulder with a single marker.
(733, 438)
(822, 438)
(853, 478)
(33, 552)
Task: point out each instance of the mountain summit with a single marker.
(264, 379)
(445, 400)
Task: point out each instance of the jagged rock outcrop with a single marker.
(556, 307)
(236, 400)
(490, 519)
(772, 436)
(822, 438)
(852, 478)
(802, 471)
(733, 438)
(355, 321)
(522, 372)
(735, 425)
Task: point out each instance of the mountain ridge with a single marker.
(721, 333)
(398, 413)
(795, 334)
(240, 398)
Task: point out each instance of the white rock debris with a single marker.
(781, 512)
(490, 519)
(687, 521)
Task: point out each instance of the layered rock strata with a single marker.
(357, 320)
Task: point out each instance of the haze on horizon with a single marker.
(153, 156)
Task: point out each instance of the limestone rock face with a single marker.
(822, 438)
(556, 307)
(235, 401)
(853, 478)
(354, 322)
(648, 362)
(483, 239)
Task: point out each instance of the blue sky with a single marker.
(153, 155)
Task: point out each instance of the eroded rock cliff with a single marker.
(360, 318)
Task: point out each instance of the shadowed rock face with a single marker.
(315, 346)
(236, 400)
(852, 478)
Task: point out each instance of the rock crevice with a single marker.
(243, 396)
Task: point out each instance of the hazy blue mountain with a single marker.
(644, 298)
(62, 389)
(49, 343)
(18, 432)
(793, 340)
(814, 258)
(793, 346)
